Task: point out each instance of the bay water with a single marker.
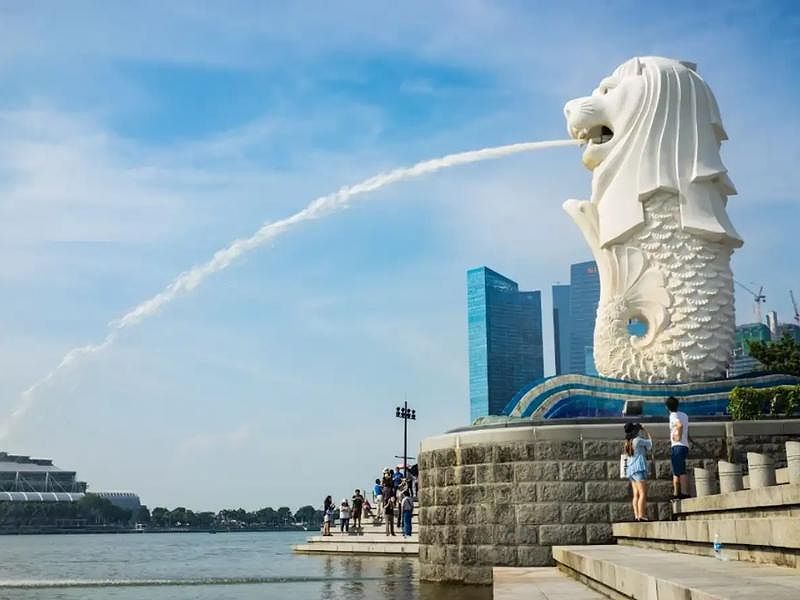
(235, 566)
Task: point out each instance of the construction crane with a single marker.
(758, 299)
(794, 305)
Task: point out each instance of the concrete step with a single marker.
(776, 532)
(777, 500)
(405, 548)
(644, 574)
(538, 583)
(362, 539)
(774, 541)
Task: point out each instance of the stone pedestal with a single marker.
(761, 470)
(793, 461)
(730, 477)
(704, 482)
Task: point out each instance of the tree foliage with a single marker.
(750, 403)
(309, 515)
(93, 510)
(782, 356)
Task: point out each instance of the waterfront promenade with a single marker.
(371, 539)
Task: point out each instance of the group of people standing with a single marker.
(394, 495)
(348, 511)
(638, 442)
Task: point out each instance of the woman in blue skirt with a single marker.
(636, 448)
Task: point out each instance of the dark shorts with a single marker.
(679, 454)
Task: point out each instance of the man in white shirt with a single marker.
(679, 438)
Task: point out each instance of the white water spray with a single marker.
(321, 207)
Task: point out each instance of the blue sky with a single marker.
(137, 140)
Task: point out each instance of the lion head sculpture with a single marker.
(654, 126)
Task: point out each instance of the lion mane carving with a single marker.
(657, 222)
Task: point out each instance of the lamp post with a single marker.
(405, 413)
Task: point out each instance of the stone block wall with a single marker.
(505, 496)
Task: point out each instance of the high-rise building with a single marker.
(561, 328)
(589, 367)
(772, 324)
(584, 296)
(741, 361)
(505, 340)
(790, 329)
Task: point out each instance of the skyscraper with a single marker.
(741, 362)
(790, 329)
(505, 340)
(561, 327)
(584, 296)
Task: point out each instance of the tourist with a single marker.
(387, 481)
(399, 493)
(367, 509)
(414, 472)
(679, 438)
(377, 492)
(397, 478)
(636, 448)
(407, 508)
(344, 516)
(388, 493)
(358, 504)
(327, 516)
(388, 513)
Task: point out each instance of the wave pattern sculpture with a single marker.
(657, 222)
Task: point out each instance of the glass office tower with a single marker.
(584, 296)
(505, 340)
(561, 327)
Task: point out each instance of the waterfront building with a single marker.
(26, 479)
(561, 328)
(505, 340)
(126, 500)
(584, 296)
(741, 361)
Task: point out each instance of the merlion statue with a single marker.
(657, 222)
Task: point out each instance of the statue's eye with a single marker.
(604, 88)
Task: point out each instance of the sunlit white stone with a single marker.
(657, 222)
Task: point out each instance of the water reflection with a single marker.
(327, 592)
(439, 591)
(355, 588)
(387, 578)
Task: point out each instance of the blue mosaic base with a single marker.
(576, 396)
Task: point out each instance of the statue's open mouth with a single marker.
(599, 134)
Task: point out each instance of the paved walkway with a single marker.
(538, 583)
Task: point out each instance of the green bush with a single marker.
(751, 403)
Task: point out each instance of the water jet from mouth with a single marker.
(321, 207)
